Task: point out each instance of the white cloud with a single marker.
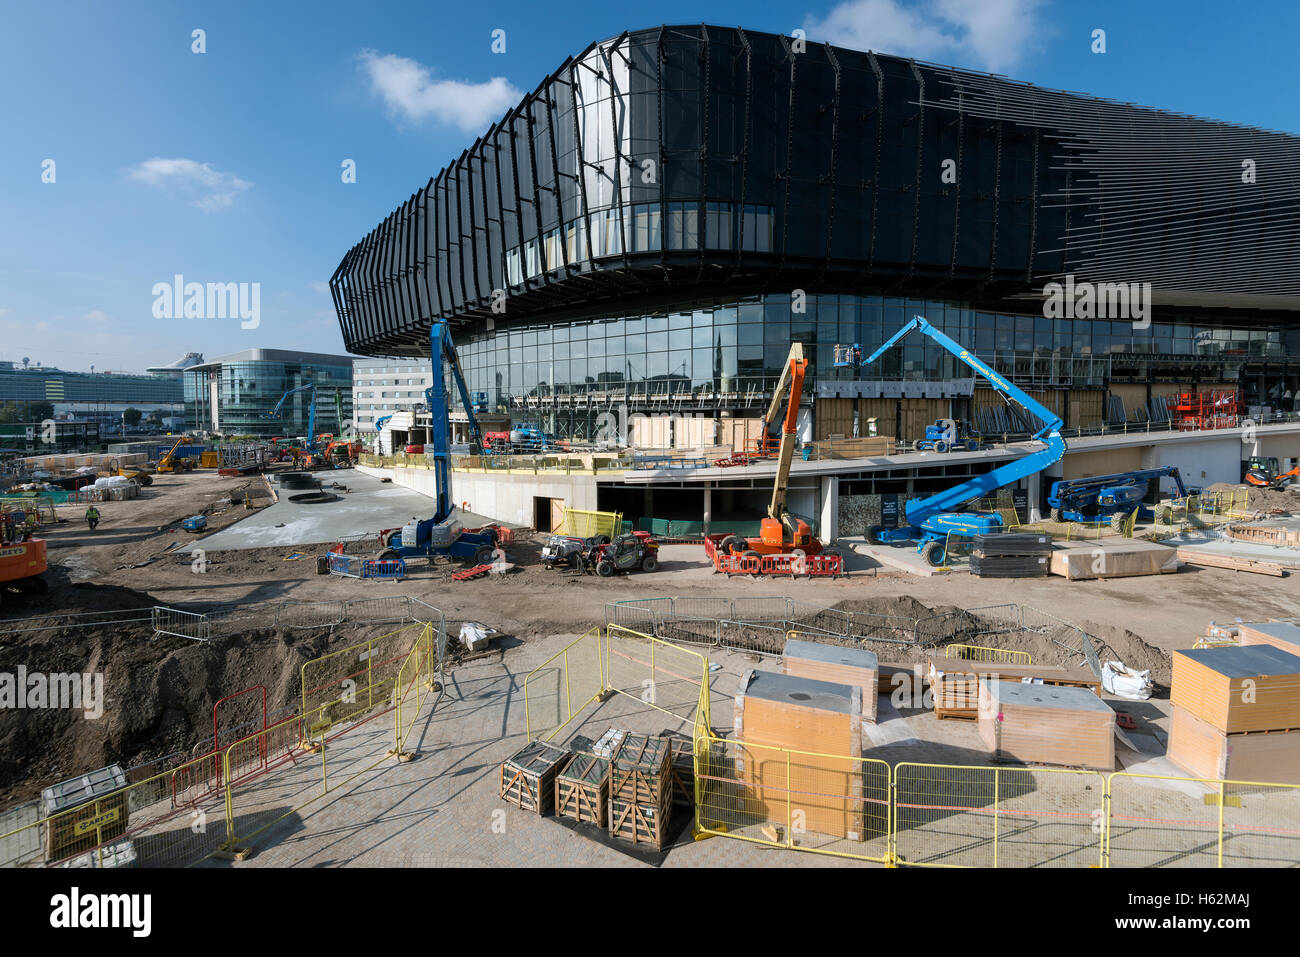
(97, 315)
(410, 91)
(318, 286)
(985, 34)
(218, 189)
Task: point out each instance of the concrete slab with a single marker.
(368, 506)
(1212, 544)
(903, 557)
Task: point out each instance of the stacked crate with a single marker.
(1236, 713)
(582, 790)
(528, 777)
(1011, 555)
(640, 790)
(682, 769)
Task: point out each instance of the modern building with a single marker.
(98, 396)
(235, 394)
(651, 228)
(381, 387)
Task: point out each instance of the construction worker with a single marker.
(92, 517)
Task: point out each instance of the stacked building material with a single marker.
(1282, 635)
(528, 777)
(582, 790)
(1046, 724)
(640, 790)
(955, 682)
(1113, 558)
(682, 769)
(847, 666)
(1236, 713)
(1011, 555)
(800, 744)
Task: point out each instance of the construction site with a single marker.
(705, 535)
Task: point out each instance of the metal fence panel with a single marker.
(180, 624)
(558, 689)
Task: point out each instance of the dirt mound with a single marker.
(1268, 500)
(1119, 644)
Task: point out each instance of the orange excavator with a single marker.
(22, 558)
(781, 532)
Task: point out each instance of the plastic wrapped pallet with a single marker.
(1113, 559)
(838, 665)
(1203, 751)
(800, 741)
(1239, 688)
(1046, 724)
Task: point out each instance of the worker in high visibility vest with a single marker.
(92, 517)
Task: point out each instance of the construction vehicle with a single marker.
(931, 519)
(780, 533)
(22, 559)
(948, 435)
(171, 462)
(635, 551)
(1265, 472)
(1109, 498)
(441, 534)
(142, 476)
(195, 523)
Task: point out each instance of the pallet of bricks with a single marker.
(1011, 555)
(640, 790)
(1236, 709)
(528, 777)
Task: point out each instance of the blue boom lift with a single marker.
(1108, 498)
(311, 412)
(931, 519)
(442, 534)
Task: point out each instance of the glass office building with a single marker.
(235, 394)
(671, 208)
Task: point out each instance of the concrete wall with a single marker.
(503, 498)
(1202, 462)
(1100, 462)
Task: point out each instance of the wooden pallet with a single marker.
(528, 778)
(582, 790)
(965, 714)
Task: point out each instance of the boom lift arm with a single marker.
(791, 381)
(311, 410)
(934, 516)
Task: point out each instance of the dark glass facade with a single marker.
(244, 391)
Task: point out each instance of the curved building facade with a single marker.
(668, 210)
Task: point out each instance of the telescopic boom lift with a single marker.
(932, 519)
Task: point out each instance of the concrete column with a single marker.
(829, 529)
(649, 502)
(1035, 498)
(708, 507)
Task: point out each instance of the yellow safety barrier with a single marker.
(558, 689)
(984, 654)
(971, 816)
(1160, 821)
(414, 684)
(657, 673)
(346, 684)
(826, 804)
(587, 524)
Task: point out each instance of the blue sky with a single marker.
(225, 166)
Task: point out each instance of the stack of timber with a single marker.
(1112, 558)
(1282, 635)
(955, 682)
(838, 665)
(640, 790)
(1011, 555)
(528, 777)
(1207, 559)
(800, 749)
(1236, 712)
(582, 790)
(1046, 724)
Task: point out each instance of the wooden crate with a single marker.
(955, 682)
(1203, 751)
(838, 665)
(1239, 688)
(1282, 635)
(1046, 724)
(582, 790)
(640, 790)
(528, 778)
(818, 718)
(681, 770)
